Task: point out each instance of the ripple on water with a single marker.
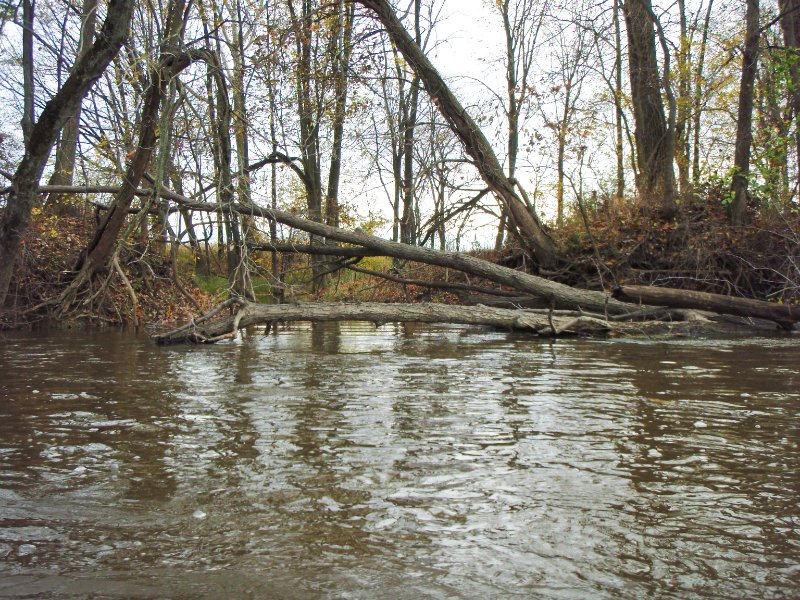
(345, 461)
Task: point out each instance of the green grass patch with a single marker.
(211, 284)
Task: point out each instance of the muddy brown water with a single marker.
(342, 461)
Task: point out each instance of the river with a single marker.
(345, 461)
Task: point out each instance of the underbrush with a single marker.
(697, 250)
(48, 253)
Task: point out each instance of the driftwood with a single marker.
(785, 315)
(549, 323)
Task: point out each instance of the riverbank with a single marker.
(608, 251)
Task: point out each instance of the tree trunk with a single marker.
(98, 253)
(562, 143)
(651, 132)
(64, 167)
(525, 223)
(342, 48)
(544, 322)
(744, 120)
(408, 222)
(100, 250)
(305, 32)
(784, 314)
(90, 66)
(790, 25)
(28, 117)
(380, 313)
(683, 103)
(620, 148)
(698, 96)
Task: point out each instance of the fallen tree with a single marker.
(785, 315)
(217, 325)
(249, 313)
(525, 224)
(630, 299)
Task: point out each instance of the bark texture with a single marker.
(784, 314)
(225, 320)
(652, 141)
(744, 118)
(380, 313)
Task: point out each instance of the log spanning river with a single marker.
(341, 461)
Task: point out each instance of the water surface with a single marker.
(343, 461)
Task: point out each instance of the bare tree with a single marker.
(522, 23)
(524, 221)
(64, 167)
(171, 61)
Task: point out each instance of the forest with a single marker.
(620, 167)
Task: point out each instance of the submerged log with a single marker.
(677, 323)
(786, 315)
(379, 313)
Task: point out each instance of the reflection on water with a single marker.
(348, 462)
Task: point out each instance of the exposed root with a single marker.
(129, 287)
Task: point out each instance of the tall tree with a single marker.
(28, 117)
(744, 115)
(340, 52)
(654, 151)
(522, 22)
(64, 167)
(408, 120)
(172, 60)
(697, 100)
(319, 69)
(567, 77)
(790, 26)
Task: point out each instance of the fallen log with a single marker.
(318, 249)
(557, 294)
(250, 313)
(785, 315)
(551, 323)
